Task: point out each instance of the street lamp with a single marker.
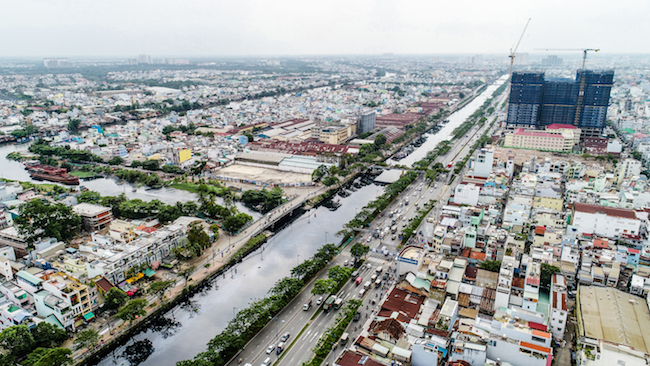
(326, 237)
(234, 311)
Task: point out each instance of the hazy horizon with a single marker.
(78, 28)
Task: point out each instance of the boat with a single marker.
(52, 174)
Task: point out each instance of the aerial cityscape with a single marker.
(345, 184)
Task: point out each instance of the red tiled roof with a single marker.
(609, 211)
(477, 255)
(518, 282)
(540, 230)
(537, 326)
(555, 126)
(600, 243)
(535, 347)
(522, 132)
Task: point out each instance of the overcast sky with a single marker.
(126, 28)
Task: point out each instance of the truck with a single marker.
(366, 285)
(329, 303)
(393, 229)
(337, 303)
(307, 305)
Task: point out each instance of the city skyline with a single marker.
(287, 28)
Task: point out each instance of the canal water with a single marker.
(184, 331)
(14, 170)
(445, 133)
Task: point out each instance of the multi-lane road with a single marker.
(312, 323)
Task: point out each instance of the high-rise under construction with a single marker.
(536, 102)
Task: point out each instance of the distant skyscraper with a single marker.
(145, 59)
(521, 59)
(552, 60)
(56, 63)
(366, 122)
(536, 102)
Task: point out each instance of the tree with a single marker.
(330, 181)
(115, 160)
(115, 298)
(49, 357)
(46, 335)
(546, 273)
(492, 266)
(250, 136)
(159, 288)
(89, 196)
(340, 274)
(323, 286)
(17, 341)
(132, 310)
(235, 223)
(358, 250)
(380, 140)
(66, 166)
(42, 220)
(73, 124)
(151, 164)
(86, 339)
(319, 173)
(186, 273)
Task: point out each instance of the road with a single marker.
(293, 318)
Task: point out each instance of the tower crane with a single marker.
(584, 52)
(513, 51)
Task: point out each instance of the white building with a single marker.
(628, 168)
(604, 221)
(466, 194)
(483, 163)
(512, 340)
(504, 285)
(559, 309)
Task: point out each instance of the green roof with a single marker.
(89, 316)
(54, 321)
(29, 277)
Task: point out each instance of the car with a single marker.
(285, 336)
(266, 362)
(369, 239)
(394, 236)
(345, 264)
(318, 301)
(357, 316)
(270, 349)
(385, 276)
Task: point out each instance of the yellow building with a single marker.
(184, 155)
(536, 140)
(333, 134)
(549, 202)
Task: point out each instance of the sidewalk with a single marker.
(215, 257)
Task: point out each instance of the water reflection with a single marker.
(138, 351)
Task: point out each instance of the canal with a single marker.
(445, 133)
(185, 330)
(14, 170)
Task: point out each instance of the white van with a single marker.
(266, 362)
(362, 293)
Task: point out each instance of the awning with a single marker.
(89, 316)
(155, 265)
(149, 272)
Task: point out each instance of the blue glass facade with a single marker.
(537, 102)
